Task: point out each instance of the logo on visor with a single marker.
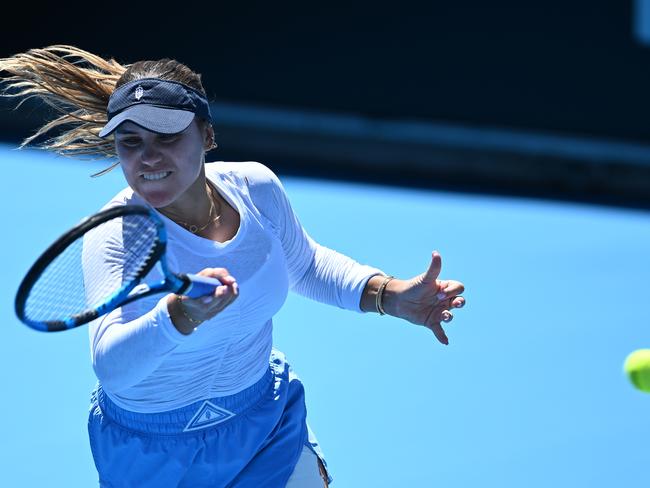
(138, 93)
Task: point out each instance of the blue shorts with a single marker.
(250, 439)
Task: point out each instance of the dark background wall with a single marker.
(518, 71)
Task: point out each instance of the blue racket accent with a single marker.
(97, 266)
(200, 286)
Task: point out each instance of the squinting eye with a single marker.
(168, 137)
(130, 142)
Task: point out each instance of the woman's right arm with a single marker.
(131, 342)
(125, 349)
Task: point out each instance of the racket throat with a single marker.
(179, 283)
(174, 283)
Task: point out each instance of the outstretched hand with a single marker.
(425, 299)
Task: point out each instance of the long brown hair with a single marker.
(77, 85)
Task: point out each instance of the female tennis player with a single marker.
(191, 392)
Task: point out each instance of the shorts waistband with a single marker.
(198, 416)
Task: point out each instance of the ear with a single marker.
(208, 137)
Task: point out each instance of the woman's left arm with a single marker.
(328, 276)
(423, 300)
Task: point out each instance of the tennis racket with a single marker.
(76, 280)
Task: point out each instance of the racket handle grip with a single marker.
(201, 286)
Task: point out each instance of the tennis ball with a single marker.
(637, 368)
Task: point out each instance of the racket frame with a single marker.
(176, 283)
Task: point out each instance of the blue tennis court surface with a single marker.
(530, 391)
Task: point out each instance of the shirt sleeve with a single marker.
(315, 271)
(131, 342)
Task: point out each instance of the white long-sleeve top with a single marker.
(145, 365)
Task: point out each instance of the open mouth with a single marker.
(160, 175)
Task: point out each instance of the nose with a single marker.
(150, 154)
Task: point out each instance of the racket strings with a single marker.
(93, 268)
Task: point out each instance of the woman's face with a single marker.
(160, 167)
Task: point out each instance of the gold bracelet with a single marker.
(184, 312)
(380, 295)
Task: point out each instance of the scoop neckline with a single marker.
(204, 241)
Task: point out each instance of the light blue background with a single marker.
(530, 391)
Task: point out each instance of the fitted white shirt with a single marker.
(145, 365)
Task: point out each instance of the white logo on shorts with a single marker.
(138, 93)
(207, 416)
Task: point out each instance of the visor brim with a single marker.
(156, 119)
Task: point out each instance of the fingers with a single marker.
(451, 288)
(450, 297)
(442, 314)
(229, 283)
(438, 331)
(218, 273)
(447, 297)
(223, 296)
(457, 302)
(208, 306)
(433, 272)
(446, 316)
(435, 327)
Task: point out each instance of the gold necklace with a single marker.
(193, 228)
